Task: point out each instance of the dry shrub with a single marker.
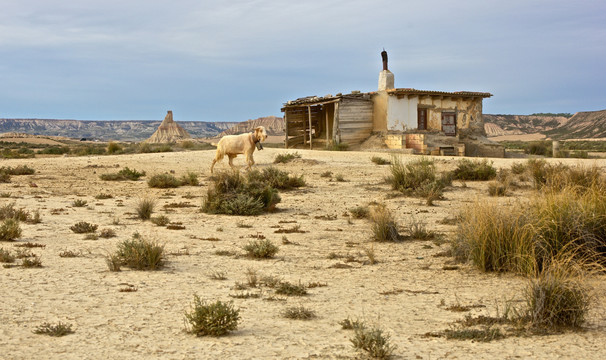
(160, 220)
(383, 225)
(10, 230)
(474, 170)
(8, 211)
(286, 288)
(276, 178)
(190, 179)
(18, 170)
(83, 227)
(145, 208)
(373, 341)
(285, 158)
(139, 254)
(214, 319)
(6, 256)
(380, 161)
(418, 178)
(163, 181)
(261, 249)
(31, 262)
(558, 297)
(122, 175)
(298, 313)
(360, 212)
(234, 194)
(60, 329)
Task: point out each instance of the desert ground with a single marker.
(407, 293)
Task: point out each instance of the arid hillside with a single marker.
(500, 125)
(273, 125)
(583, 125)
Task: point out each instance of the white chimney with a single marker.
(386, 79)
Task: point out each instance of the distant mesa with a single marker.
(274, 126)
(168, 132)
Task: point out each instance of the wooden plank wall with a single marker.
(298, 123)
(355, 120)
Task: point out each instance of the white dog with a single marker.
(232, 145)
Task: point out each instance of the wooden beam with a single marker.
(327, 135)
(286, 129)
(335, 124)
(309, 116)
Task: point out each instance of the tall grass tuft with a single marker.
(10, 230)
(373, 341)
(145, 208)
(383, 225)
(558, 297)
(418, 178)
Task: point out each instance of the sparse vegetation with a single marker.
(31, 262)
(8, 211)
(286, 158)
(6, 256)
(212, 319)
(124, 174)
(360, 212)
(286, 288)
(189, 179)
(79, 203)
(10, 230)
(418, 178)
(160, 220)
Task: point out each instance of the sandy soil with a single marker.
(406, 293)
(523, 137)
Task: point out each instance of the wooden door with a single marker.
(449, 124)
(422, 119)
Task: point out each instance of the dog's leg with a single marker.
(231, 161)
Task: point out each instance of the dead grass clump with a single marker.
(83, 227)
(418, 178)
(373, 341)
(212, 319)
(103, 196)
(79, 203)
(122, 175)
(145, 208)
(31, 262)
(6, 256)
(140, 254)
(261, 249)
(18, 170)
(326, 174)
(496, 188)
(107, 233)
(418, 231)
(482, 335)
(285, 158)
(298, 313)
(8, 211)
(163, 181)
(380, 161)
(383, 225)
(189, 179)
(360, 212)
(286, 288)
(160, 220)
(473, 170)
(557, 298)
(234, 194)
(276, 178)
(70, 254)
(59, 329)
(10, 230)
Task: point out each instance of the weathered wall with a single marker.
(355, 120)
(400, 114)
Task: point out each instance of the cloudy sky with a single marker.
(237, 60)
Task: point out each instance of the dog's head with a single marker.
(260, 133)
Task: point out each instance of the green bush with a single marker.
(233, 194)
(261, 249)
(373, 341)
(124, 174)
(163, 181)
(140, 254)
(214, 319)
(285, 158)
(474, 170)
(10, 230)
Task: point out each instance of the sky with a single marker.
(238, 60)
